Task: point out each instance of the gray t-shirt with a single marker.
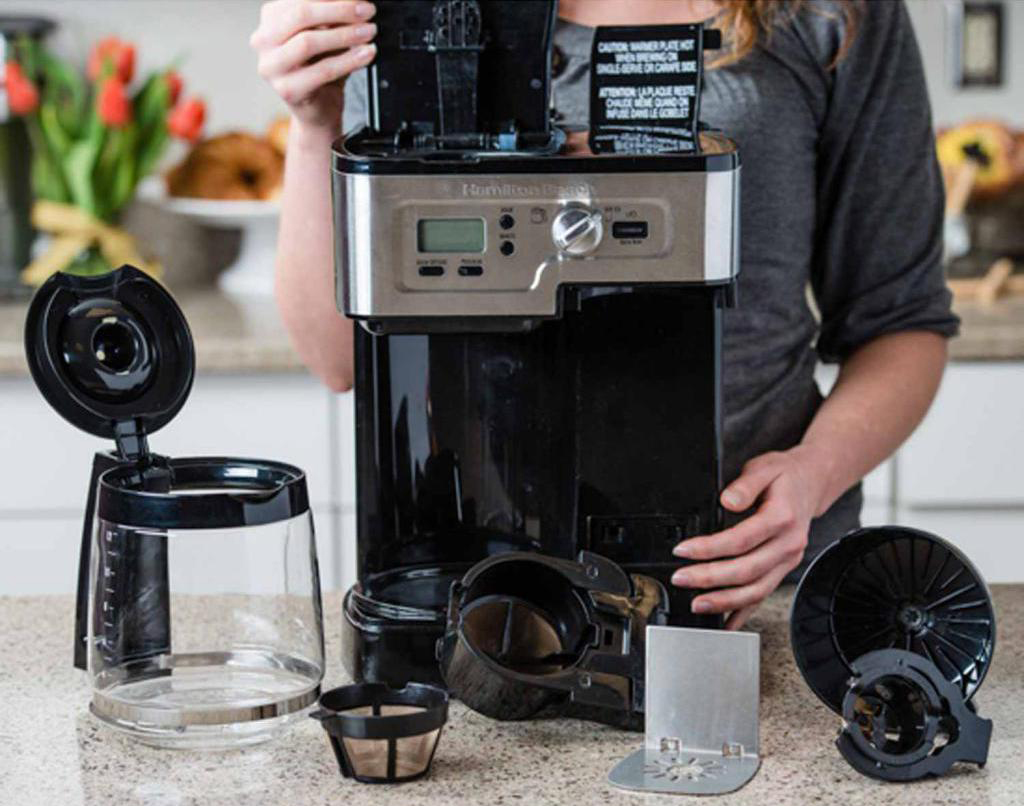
(840, 190)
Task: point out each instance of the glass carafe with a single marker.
(205, 623)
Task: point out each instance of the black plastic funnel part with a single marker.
(891, 587)
(383, 735)
(903, 720)
(112, 354)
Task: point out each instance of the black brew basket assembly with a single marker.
(893, 629)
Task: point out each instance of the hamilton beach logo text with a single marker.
(508, 190)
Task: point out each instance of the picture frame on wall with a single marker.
(977, 42)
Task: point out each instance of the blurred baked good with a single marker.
(232, 166)
(995, 152)
(277, 134)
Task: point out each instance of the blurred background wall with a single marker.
(212, 38)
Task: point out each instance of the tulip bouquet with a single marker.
(93, 139)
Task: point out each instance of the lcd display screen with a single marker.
(450, 235)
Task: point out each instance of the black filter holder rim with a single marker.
(145, 304)
(255, 492)
(391, 728)
(812, 622)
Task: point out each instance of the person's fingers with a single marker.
(732, 599)
(739, 617)
(282, 19)
(772, 518)
(757, 474)
(306, 46)
(785, 548)
(300, 84)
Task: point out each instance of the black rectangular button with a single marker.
(431, 271)
(629, 229)
(471, 271)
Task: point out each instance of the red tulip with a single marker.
(186, 119)
(119, 55)
(174, 84)
(114, 107)
(22, 95)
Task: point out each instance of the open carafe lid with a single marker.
(463, 75)
(112, 354)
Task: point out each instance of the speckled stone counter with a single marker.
(53, 753)
(245, 334)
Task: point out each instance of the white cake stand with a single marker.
(252, 272)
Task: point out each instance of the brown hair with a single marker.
(745, 22)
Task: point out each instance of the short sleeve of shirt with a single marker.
(355, 111)
(878, 251)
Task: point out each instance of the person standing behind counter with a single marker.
(841, 191)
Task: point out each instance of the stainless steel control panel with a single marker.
(485, 245)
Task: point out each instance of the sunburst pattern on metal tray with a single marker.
(676, 769)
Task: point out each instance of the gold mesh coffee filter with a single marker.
(383, 735)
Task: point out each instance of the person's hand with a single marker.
(748, 561)
(308, 47)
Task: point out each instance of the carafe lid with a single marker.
(112, 354)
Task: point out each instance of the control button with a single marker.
(629, 229)
(507, 248)
(577, 230)
(506, 221)
(470, 271)
(431, 271)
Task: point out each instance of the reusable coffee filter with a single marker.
(381, 734)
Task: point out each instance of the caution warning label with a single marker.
(645, 88)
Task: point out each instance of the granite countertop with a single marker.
(245, 333)
(52, 751)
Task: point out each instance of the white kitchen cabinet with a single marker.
(39, 555)
(992, 539)
(969, 451)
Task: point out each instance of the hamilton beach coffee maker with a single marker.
(538, 347)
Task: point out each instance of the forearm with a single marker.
(882, 393)
(305, 260)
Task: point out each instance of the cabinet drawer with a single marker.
(969, 451)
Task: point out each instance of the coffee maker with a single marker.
(538, 340)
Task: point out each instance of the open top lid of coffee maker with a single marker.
(113, 354)
(433, 55)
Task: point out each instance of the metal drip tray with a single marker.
(701, 734)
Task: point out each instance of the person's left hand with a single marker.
(749, 560)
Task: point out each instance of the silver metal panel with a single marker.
(702, 699)
(691, 220)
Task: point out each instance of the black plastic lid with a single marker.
(462, 66)
(110, 353)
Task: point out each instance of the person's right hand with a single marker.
(308, 47)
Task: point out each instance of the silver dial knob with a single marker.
(577, 230)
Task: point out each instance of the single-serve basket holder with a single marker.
(528, 633)
(893, 629)
(383, 735)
